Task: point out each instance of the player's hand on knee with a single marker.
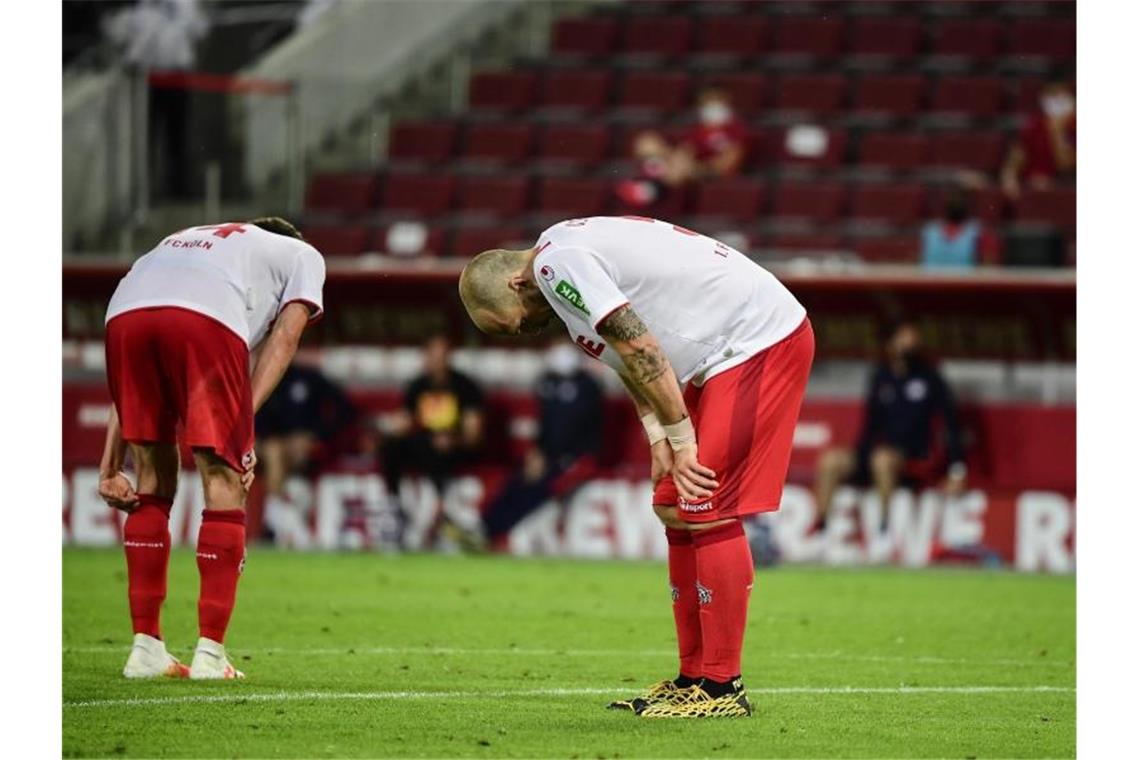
(116, 489)
(695, 482)
(661, 455)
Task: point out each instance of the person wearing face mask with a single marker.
(715, 145)
(569, 440)
(1046, 146)
(905, 394)
(957, 239)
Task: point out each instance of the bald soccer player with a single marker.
(665, 306)
(180, 329)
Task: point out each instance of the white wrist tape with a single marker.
(653, 429)
(681, 434)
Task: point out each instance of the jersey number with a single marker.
(224, 230)
(720, 249)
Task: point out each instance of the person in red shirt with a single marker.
(1046, 147)
(713, 147)
(716, 145)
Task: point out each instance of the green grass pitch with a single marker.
(429, 656)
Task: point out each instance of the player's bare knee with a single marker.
(221, 483)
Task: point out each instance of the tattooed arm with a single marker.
(652, 383)
(648, 375)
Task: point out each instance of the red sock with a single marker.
(724, 577)
(146, 542)
(686, 611)
(221, 557)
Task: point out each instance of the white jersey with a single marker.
(238, 274)
(709, 306)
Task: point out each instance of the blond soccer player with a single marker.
(666, 307)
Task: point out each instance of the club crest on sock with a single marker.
(674, 592)
(704, 595)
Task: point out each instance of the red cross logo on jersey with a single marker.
(225, 230)
(593, 349)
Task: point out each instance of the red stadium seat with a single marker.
(503, 90)
(504, 195)
(352, 193)
(585, 90)
(897, 249)
(968, 38)
(969, 95)
(508, 142)
(418, 193)
(659, 35)
(336, 239)
(1056, 206)
(893, 94)
(470, 241)
(587, 36)
(895, 36)
(894, 150)
(1027, 94)
(583, 144)
(804, 241)
(812, 201)
(898, 204)
(742, 36)
(573, 197)
(806, 35)
(990, 204)
(748, 91)
(810, 146)
(820, 94)
(1048, 38)
(666, 91)
(423, 140)
(738, 199)
(980, 151)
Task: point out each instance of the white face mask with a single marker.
(1057, 105)
(562, 360)
(715, 113)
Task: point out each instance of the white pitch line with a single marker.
(528, 652)
(307, 696)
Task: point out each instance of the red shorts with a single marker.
(168, 367)
(745, 419)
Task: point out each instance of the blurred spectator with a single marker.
(958, 239)
(715, 146)
(906, 392)
(298, 424)
(159, 34)
(163, 35)
(659, 170)
(1046, 147)
(569, 441)
(440, 426)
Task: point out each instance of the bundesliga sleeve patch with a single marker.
(570, 294)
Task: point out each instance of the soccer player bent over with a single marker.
(180, 327)
(662, 305)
